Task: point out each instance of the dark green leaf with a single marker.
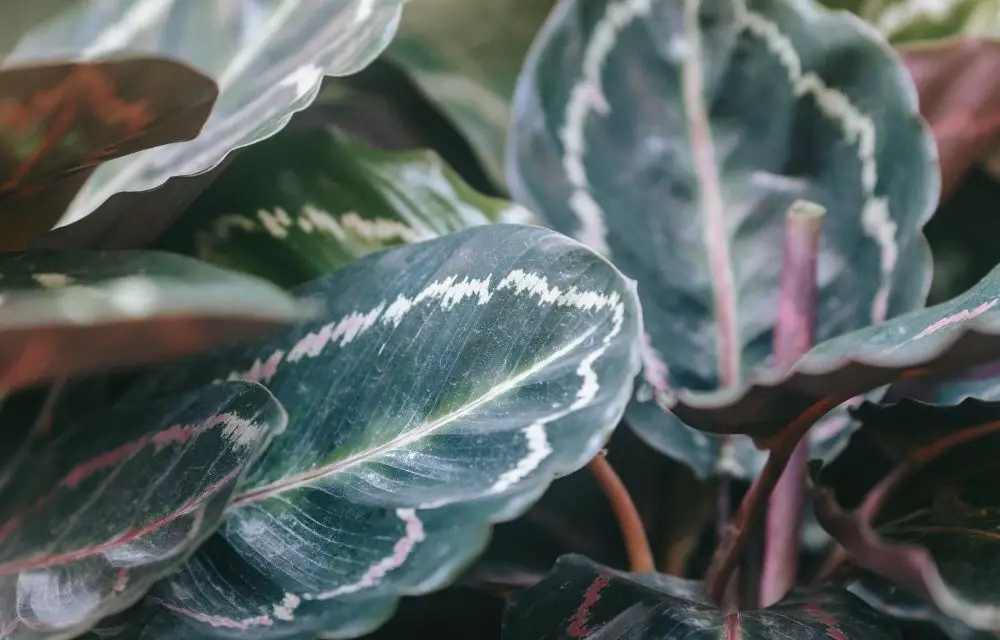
(307, 202)
(582, 599)
(268, 56)
(672, 138)
(447, 383)
(59, 121)
(69, 313)
(89, 521)
(930, 526)
(465, 55)
(950, 336)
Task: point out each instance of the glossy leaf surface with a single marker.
(930, 525)
(466, 56)
(307, 202)
(582, 599)
(68, 313)
(59, 121)
(447, 383)
(89, 521)
(268, 57)
(951, 336)
(672, 139)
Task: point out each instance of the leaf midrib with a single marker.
(312, 475)
(710, 202)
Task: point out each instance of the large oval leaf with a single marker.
(672, 139)
(68, 313)
(583, 599)
(89, 521)
(465, 55)
(448, 382)
(268, 57)
(307, 202)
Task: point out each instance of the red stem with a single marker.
(640, 555)
(794, 335)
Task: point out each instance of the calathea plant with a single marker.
(371, 364)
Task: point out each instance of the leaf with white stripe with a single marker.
(309, 201)
(268, 57)
(71, 313)
(672, 137)
(446, 385)
(89, 521)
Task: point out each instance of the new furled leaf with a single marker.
(951, 336)
(69, 313)
(767, 102)
(582, 599)
(447, 383)
(268, 57)
(307, 202)
(929, 526)
(90, 520)
(59, 121)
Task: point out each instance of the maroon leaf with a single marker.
(582, 599)
(930, 525)
(960, 98)
(90, 521)
(59, 121)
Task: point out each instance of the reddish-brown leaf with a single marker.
(960, 98)
(930, 526)
(59, 121)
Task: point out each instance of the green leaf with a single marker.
(582, 599)
(905, 21)
(89, 521)
(307, 202)
(930, 525)
(951, 336)
(59, 121)
(268, 56)
(446, 385)
(673, 139)
(69, 313)
(465, 55)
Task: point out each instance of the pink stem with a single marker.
(794, 335)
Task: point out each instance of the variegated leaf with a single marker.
(307, 202)
(672, 137)
(268, 57)
(446, 385)
(465, 55)
(68, 313)
(582, 599)
(90, 520)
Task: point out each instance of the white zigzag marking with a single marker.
(585, 97)
(447, 293)
(400, 552)
(857, 128)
